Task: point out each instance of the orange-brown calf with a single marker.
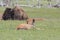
(28, 25)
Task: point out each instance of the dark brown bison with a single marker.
(15, 13)
(19, 13)
(8, 14)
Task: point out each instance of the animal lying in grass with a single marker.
(16, 13)
(28, 25)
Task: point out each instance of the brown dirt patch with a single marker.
(38, 19)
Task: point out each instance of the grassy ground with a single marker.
(51, 26)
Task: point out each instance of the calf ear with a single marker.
(27, 22)
(33, 20)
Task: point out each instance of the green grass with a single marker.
(51, 26)
(2, 9)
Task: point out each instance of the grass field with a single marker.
(51, 26)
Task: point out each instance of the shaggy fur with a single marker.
(15, 13)
(8, 14)
(19, 13)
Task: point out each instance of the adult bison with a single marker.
(19, 13)
(15, 13)
(8, 14)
